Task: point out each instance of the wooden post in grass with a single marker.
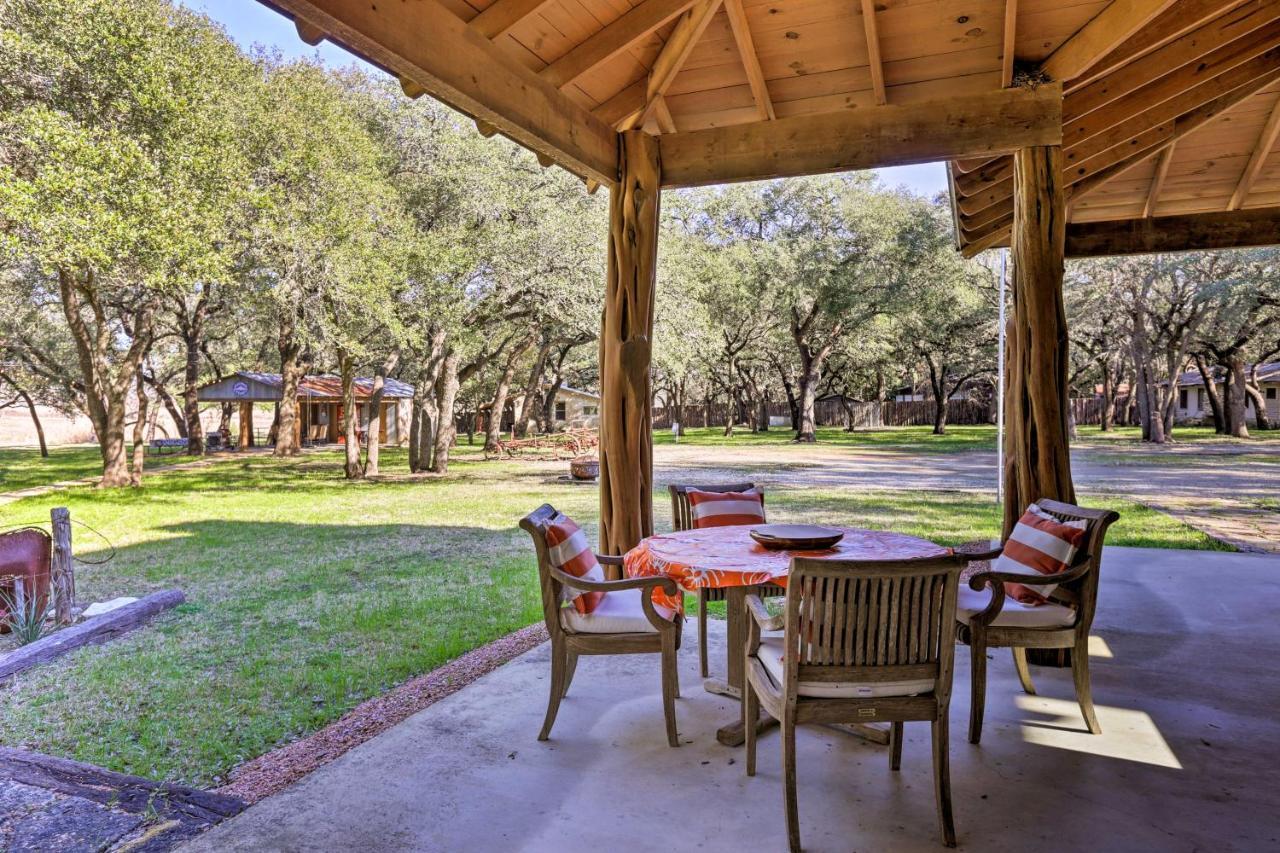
(62, 573)
(246, 426)
(626, 341)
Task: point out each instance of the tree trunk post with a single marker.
(1037, 461)
(1237, 425)
(245, 438)
(61, 570)
(626, 336)
(35, 420)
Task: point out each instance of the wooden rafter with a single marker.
(1157, 180)
(1266, 141)
(1106, 31)
(502, 16)
(613, 40)
(1008, 43)
(666, 67)
(964, 126)
(873, 50)
(1237, 229)
(427, 44)
(750, 59)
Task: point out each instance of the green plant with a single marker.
(26, 615)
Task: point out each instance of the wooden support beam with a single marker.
(662, 115)
(684, 36)
(1008, 42)
(622, 106)
(245, 439)
(485, 129)
(500, 17)
(626, 341)
(750, 59)
(1237, 229)
(1038, 464)
(425, 42)
(873, 50)
(1157, 180)
(890, 135)
(309, 34)
(411, 89)
(613, 40)
(1100, 36)
(1266, 141)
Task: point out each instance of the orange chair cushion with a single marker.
(721, 509)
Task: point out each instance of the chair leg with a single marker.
(942, 777)
(789, 784)
(702, 634)
(750, 712)
(978, 690)
(559, 665)
(895, 746)
(571, 666)
(1084, 690)
(669, 690)
(1024, 671)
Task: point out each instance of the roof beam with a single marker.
(502, 16)
(1238, 229)
(873, 50)
(750, 59)
(1157, 180)
(613, 40)
(429, 45)
(1008, 43)
(666, 67)
(1100, 36)
(890, 135)
(1266, 141)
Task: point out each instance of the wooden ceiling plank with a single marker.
(1237, 229)
(1266, 141)
(502, 16)
(1157, 180)
(616, 37)
(429, 45)
(1010, 38)
(628, 102)
(960, 127)
(750, 60)
(873, 50)
(1103, 34)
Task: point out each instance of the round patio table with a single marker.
(728, 558)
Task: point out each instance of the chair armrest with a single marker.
(996, 580)
(609, 560)
(652, 583)
(759, 613)
(976, 556)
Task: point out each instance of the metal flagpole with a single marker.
(1004, 254)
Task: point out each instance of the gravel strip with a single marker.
(276, 770)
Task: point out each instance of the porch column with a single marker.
(246, 425)
(626, 331)
(1037, 464)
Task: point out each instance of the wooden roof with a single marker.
(744, 89)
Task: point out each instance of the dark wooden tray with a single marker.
(795, 537)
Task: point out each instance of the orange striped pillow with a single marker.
(1040, 544)
(721, 509)
(571, 553)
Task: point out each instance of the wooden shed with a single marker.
(1072, 127)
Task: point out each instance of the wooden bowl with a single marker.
(795, 537)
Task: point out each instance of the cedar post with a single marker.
(626, 332)
(1037, 463)
(62, 573)
(246, 425)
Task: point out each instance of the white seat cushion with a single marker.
(770, 654)
(619, 612)
(1014, 614)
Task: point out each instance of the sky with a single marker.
(249, 23)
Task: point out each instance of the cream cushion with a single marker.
(770, 654)
(619, 612)
(1014, 614)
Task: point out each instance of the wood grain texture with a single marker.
(1157, 180)
(1101, 35)
(1237, 229)
(616, 37)
(1258, 159)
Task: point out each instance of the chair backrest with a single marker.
(682, 510)
(1083, 593)
(536, 524)
(872, 621)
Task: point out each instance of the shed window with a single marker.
(560, 410)
(589, 410)
(1182, 398)
(1271, 393)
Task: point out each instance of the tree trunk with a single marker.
(446, 426)
(373, 436)
(938, 381)
(1237, 425)
(532, 397)
(1211, 394)
(1259, 405)
(626, 339)
(350, 432)
(1038, 464)
(292, 369)
(498, 405)
(190, 394)
(1108, 414)
(139, 435)
(31, 407)
(810, 376)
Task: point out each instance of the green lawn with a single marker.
(1132, 435)
(23, 467)
(918, 439)
(307, 595)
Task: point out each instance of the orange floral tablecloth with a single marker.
(728, 556)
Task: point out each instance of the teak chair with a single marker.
(628, 627)
(863, 642)
(1062, 624)
(682, 519)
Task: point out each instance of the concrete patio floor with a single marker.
(1186, 676)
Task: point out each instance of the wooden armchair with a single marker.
(624, 623)
(998, 621)
(682, 519)
(864, 642)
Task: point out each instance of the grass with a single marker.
(1132, 436)
(307, 595)
(919, 439)
(23, 468)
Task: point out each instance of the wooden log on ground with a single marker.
(62, 570)
(1037, 461)
(626, 341)
(93, 631)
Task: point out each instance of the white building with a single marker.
(1193, 401)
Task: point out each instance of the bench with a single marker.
(161, 446)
